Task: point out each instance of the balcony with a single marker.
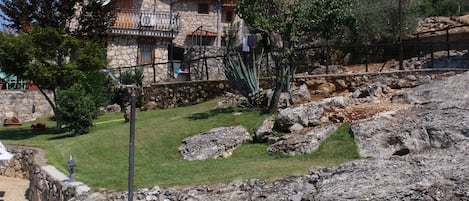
(135, 22)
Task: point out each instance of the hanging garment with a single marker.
(245, 45)
(252, 40)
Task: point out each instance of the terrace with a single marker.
(139, 23)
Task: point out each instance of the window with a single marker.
(227, 15)
(203, 8)
(203, 40)
(145, 52)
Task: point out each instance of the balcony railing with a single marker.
(135, 22)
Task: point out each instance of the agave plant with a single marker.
(242, 77)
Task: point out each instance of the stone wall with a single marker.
(122, 51)
(25, 105)
(186, 93)
(20, 165)
(190, 20)
(198, 56)
(45, 181)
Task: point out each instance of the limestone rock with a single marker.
(371, 90)
(438, 120)
(301, 95)
(215, 143)
(433, 175)
(334, 103)
(265, 130)
(151, 105)
(112, 108)
(307, 115)
(302, 143)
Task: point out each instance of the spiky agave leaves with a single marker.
(242, 77)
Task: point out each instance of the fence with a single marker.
(433, 49)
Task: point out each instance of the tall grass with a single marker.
(102, 155)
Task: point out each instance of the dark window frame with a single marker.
(146, 49)
(203, 10)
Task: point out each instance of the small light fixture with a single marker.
(71, 168)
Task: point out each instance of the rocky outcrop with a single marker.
(215, 143)
(438, 120)
(439, 174)
(298, 143)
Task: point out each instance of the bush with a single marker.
(77, 109)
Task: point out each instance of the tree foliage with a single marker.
(51, 59)
(443, 7)
(58, 43)
(377, 21)
(77, 17)
(77, 108)
(296, 22)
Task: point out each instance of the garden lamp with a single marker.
(71, 168)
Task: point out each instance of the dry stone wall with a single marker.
(24, 105)
(45, 182)
(186, 93)
(20, 165)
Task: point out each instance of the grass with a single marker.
(102, 155)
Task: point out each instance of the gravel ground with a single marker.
(14, 188)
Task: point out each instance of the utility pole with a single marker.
(401, 48)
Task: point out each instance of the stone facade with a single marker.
(206, 63)
(24, 105)
(123, 49)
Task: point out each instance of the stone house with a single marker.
(152, 33)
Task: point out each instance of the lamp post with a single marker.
(132, 129)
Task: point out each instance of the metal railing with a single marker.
(152, 22)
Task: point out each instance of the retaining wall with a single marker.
(24, 105)
(186, 93)
(46, 183)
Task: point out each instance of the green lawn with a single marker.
(102, 155)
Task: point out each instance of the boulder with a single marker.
(307, 115)
(335, 103)
(297, 143)
(215, 143)
(265, 130)
(301, 95)
(370, 91)
(151, 105)
(112, 108)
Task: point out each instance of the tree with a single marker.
(292, 23)
(51, 49)
(78, 17)
(77, 108)
(51, 59)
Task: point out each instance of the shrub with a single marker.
(77, 108)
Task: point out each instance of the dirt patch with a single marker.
(14, 188)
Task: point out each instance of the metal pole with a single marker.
(131, 144)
